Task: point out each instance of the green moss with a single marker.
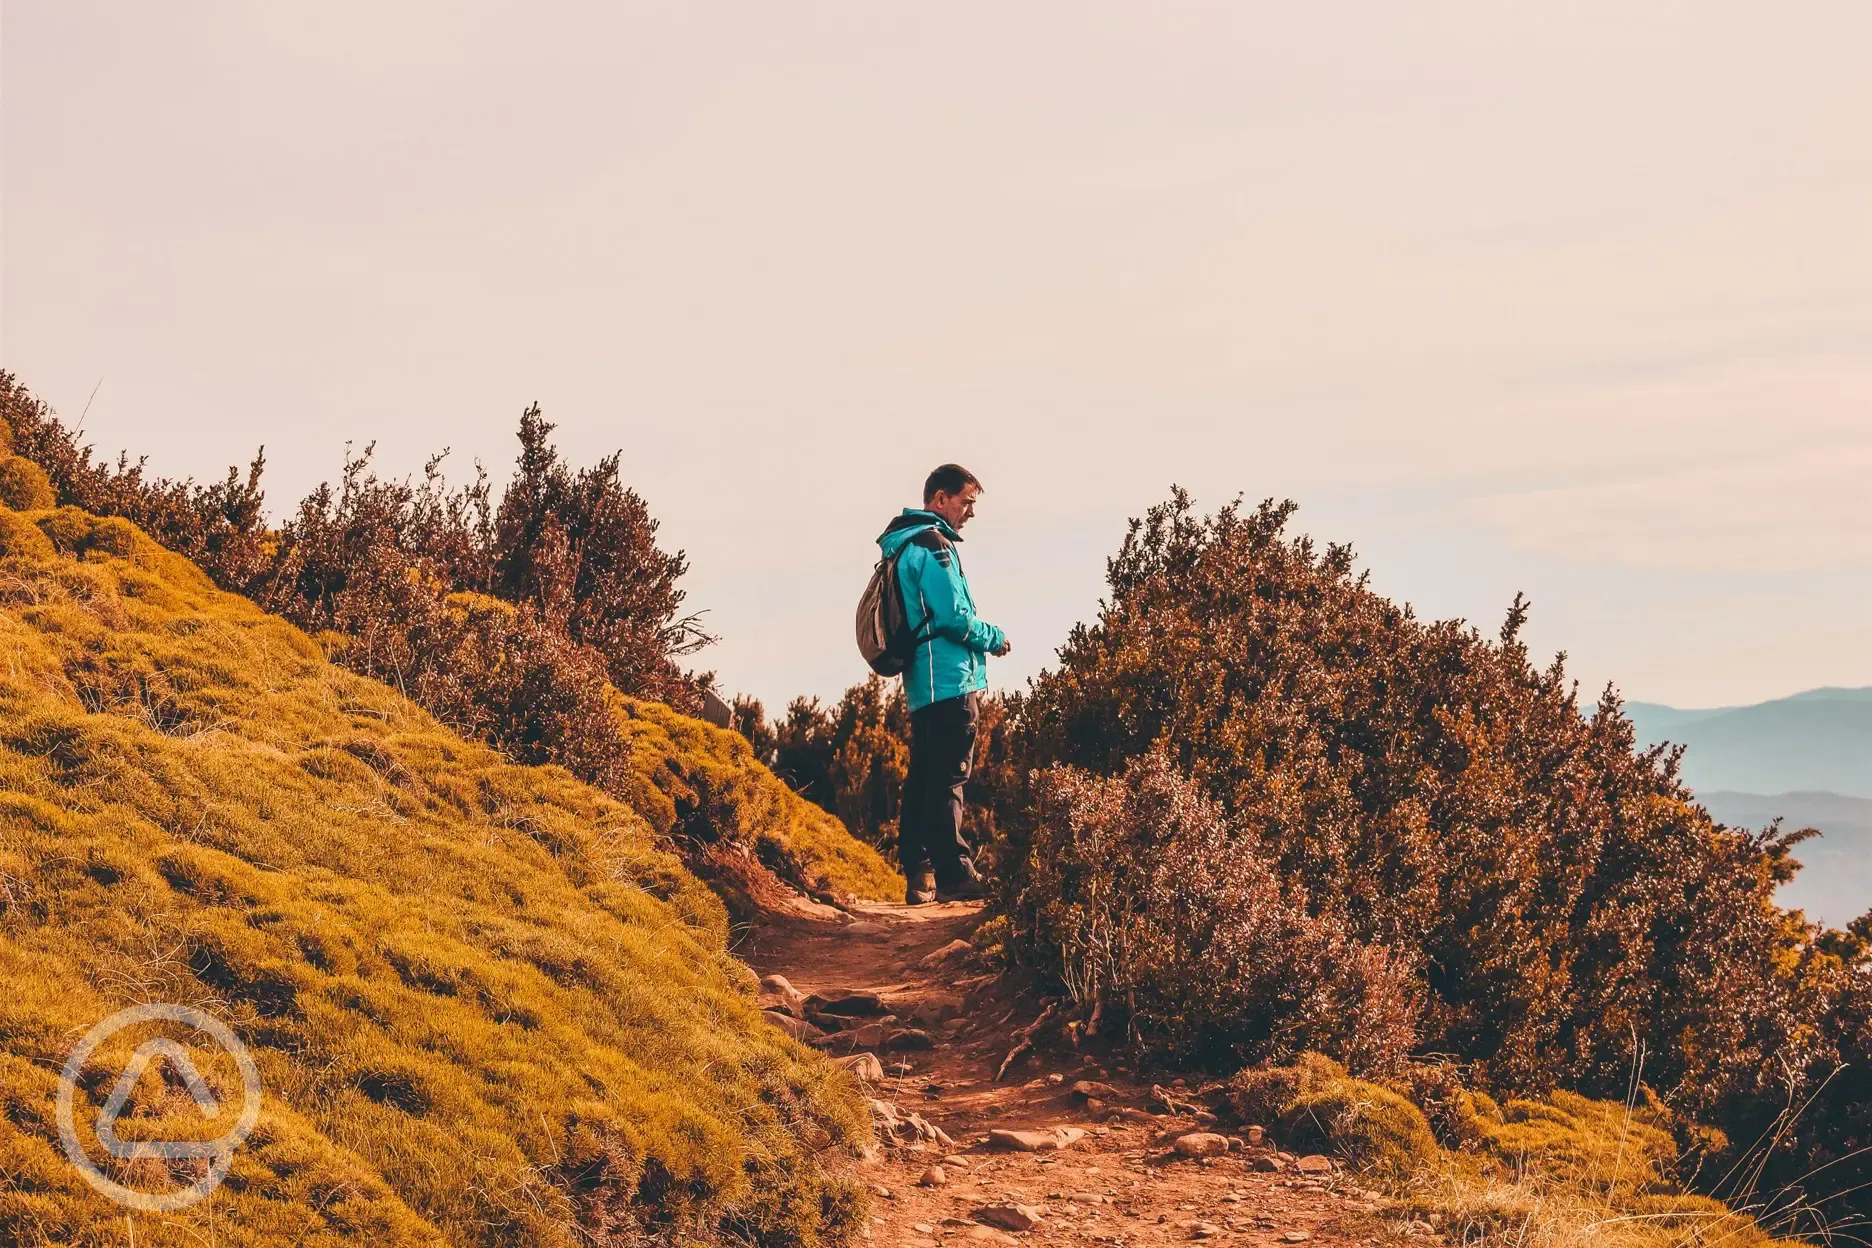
(1317, 1107)
(24, 485)
(482, 997)
(704, 783)
(1370, 1126)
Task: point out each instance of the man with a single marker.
(943, 685)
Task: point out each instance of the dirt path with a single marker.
(1118, 1183)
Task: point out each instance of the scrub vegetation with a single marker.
(517, 619)
(487, 1008)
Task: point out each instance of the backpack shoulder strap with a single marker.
(934, 542)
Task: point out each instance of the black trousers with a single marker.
(942, 750)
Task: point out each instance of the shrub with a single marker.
(1429, 791)
(1169, 926)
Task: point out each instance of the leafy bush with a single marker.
(478, 993)
(1429, 791)
(1170, 926)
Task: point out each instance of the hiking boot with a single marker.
(920, 887)
(968, 888)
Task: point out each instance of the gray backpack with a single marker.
(885, 637)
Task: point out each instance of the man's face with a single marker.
(956, 509)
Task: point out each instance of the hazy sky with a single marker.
(1575, 300)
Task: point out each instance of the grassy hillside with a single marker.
(479, 994)
(704, 783)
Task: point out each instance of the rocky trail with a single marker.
(1064, 1145)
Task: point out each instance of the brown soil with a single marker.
(1120, 1184)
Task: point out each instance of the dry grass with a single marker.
(1560, 1172)
(486, 1006)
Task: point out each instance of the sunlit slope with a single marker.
(485, 1007)
(705, 781)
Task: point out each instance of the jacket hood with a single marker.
(906, 526)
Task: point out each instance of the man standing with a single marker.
(943, 685)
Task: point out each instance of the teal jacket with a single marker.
(954, 659)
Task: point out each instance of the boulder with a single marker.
(1091, 1089)
(1314, 1163)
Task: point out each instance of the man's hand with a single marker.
(1002, 649)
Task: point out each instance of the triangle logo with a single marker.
(198, 1090)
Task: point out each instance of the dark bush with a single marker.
(1434, 793)
(504, 618)
(1174, 929)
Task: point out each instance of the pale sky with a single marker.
(1571, 299)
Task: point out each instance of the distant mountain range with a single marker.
(1806, 759)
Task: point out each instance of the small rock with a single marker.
(1313, 1163)
(864, 1065)
(798, 1028)
(1201, 1144)
(935, 1176)
(990, 1235)
(948, 953)
(955, 1025)
(1295, 1237)
(1254, 1135)
(777, 993)
(1009, 1217)
(1267, 1164)
(908, 1038)
(1092, 1090)
(1055, 1079)
(927, 1130)
(922, 1228)
(937, 1008)
(879, 1190)
(956, 1162)
(849, 1002)
(1204, 1230)
(869, 1036)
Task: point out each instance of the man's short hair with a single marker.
(948, 479)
